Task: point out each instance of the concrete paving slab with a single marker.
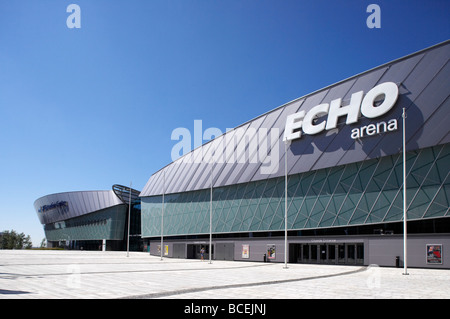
(45, 274)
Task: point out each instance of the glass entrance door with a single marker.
(313, 254)
(341, 254)
(335, 253)
(323, 254)
(332, 254)
(359, 254)
(305, 253)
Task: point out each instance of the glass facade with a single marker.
(106, 224)
(362, 193)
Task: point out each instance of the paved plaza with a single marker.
(38, 274)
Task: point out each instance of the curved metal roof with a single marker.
(423, 79)
(124, 193)
(61, 206)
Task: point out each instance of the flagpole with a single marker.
(129, 214)
(286, 144)
(405, 246)
(162, 214)
(210, 213)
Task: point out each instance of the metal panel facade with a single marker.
(360, 193)
(61, 206)
(423, 80)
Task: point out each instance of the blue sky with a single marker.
(83, 109)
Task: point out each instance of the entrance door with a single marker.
(332, 254)
(314, 256)
(194, 251)
(327, 253)
(190, 251)
(351, 254)
(305, 253)
(295, 253)
(323, 254)
(360, 254)
(341, 254)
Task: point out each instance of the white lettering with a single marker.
(374, 20)
(182, 147)
(377, 102)
(351, 110)
(355, 134)
(308, 126)
(390, 92)
(372, 129)
(247, 308)
(293, 124)
(212, 310)
(241, 145)
(73, 20)
(392, 125)
(271, 162)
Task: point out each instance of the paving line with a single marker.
(262, 283)
(5, 275)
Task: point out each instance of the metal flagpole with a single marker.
(286, 142)
(129, 214)
(162, 214)
(210, 214)
(405, 246)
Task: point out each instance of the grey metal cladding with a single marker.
(190, 170)
(336, 142)
(423, 79)
(301, 152)
(222, 171)
(62, 206)
(255, 173)
(438, 122)
(432, 103)
(244, 155)
(160, 183)
(202, 179)
(446, 139)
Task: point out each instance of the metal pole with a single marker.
(285, 203)
(405, 246)
(162, 214)
(210, 214)
(129, 213)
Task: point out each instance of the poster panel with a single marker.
(245, 251)
(434, 254)
(271, 251)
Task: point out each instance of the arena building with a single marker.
(91, 220)
(316, 180)
(340, 149)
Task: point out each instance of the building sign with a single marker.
(60, 205)
(377, 102)
(434, 254)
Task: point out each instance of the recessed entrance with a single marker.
(194, 251)
(326, 253)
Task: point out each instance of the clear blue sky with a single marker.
(83, 109)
